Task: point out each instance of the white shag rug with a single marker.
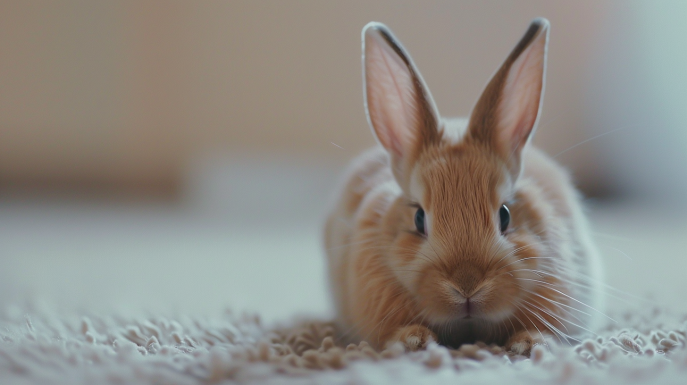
(40, 347)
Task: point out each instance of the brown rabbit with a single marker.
(457, 230)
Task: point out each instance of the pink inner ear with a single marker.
(391, 101)
(521, 96)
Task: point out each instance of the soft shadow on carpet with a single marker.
(41, 347)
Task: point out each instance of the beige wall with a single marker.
(120, 95)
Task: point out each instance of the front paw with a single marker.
(413, 337)
(523, 341)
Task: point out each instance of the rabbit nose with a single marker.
(467, 306)
(469, 294)
(468, 281)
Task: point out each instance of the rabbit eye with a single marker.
(420, 221)
(504, 215)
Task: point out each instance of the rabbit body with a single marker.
(457, 230)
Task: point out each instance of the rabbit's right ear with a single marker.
(400, 108)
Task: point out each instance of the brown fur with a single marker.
(389, 281)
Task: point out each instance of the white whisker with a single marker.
(574, 299)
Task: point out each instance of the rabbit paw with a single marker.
(413, 337)
(523, 341)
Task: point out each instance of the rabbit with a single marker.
(458, 230)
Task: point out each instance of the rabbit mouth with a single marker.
(469, 331)
(479, 311)
(468, 309)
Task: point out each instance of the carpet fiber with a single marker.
(42, 347)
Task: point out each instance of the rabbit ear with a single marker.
(400, 108)
(506, 114)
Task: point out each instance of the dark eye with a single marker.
(504, 215)
(420, 221)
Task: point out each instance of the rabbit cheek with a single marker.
(436, 296)
(516, 276)
(407, 251)
(498, 298)
(407, 259)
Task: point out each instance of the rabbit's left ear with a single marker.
(507, 113)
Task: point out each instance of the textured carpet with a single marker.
(42, 347)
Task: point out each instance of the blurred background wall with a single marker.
(128, 96)
(179, 155)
